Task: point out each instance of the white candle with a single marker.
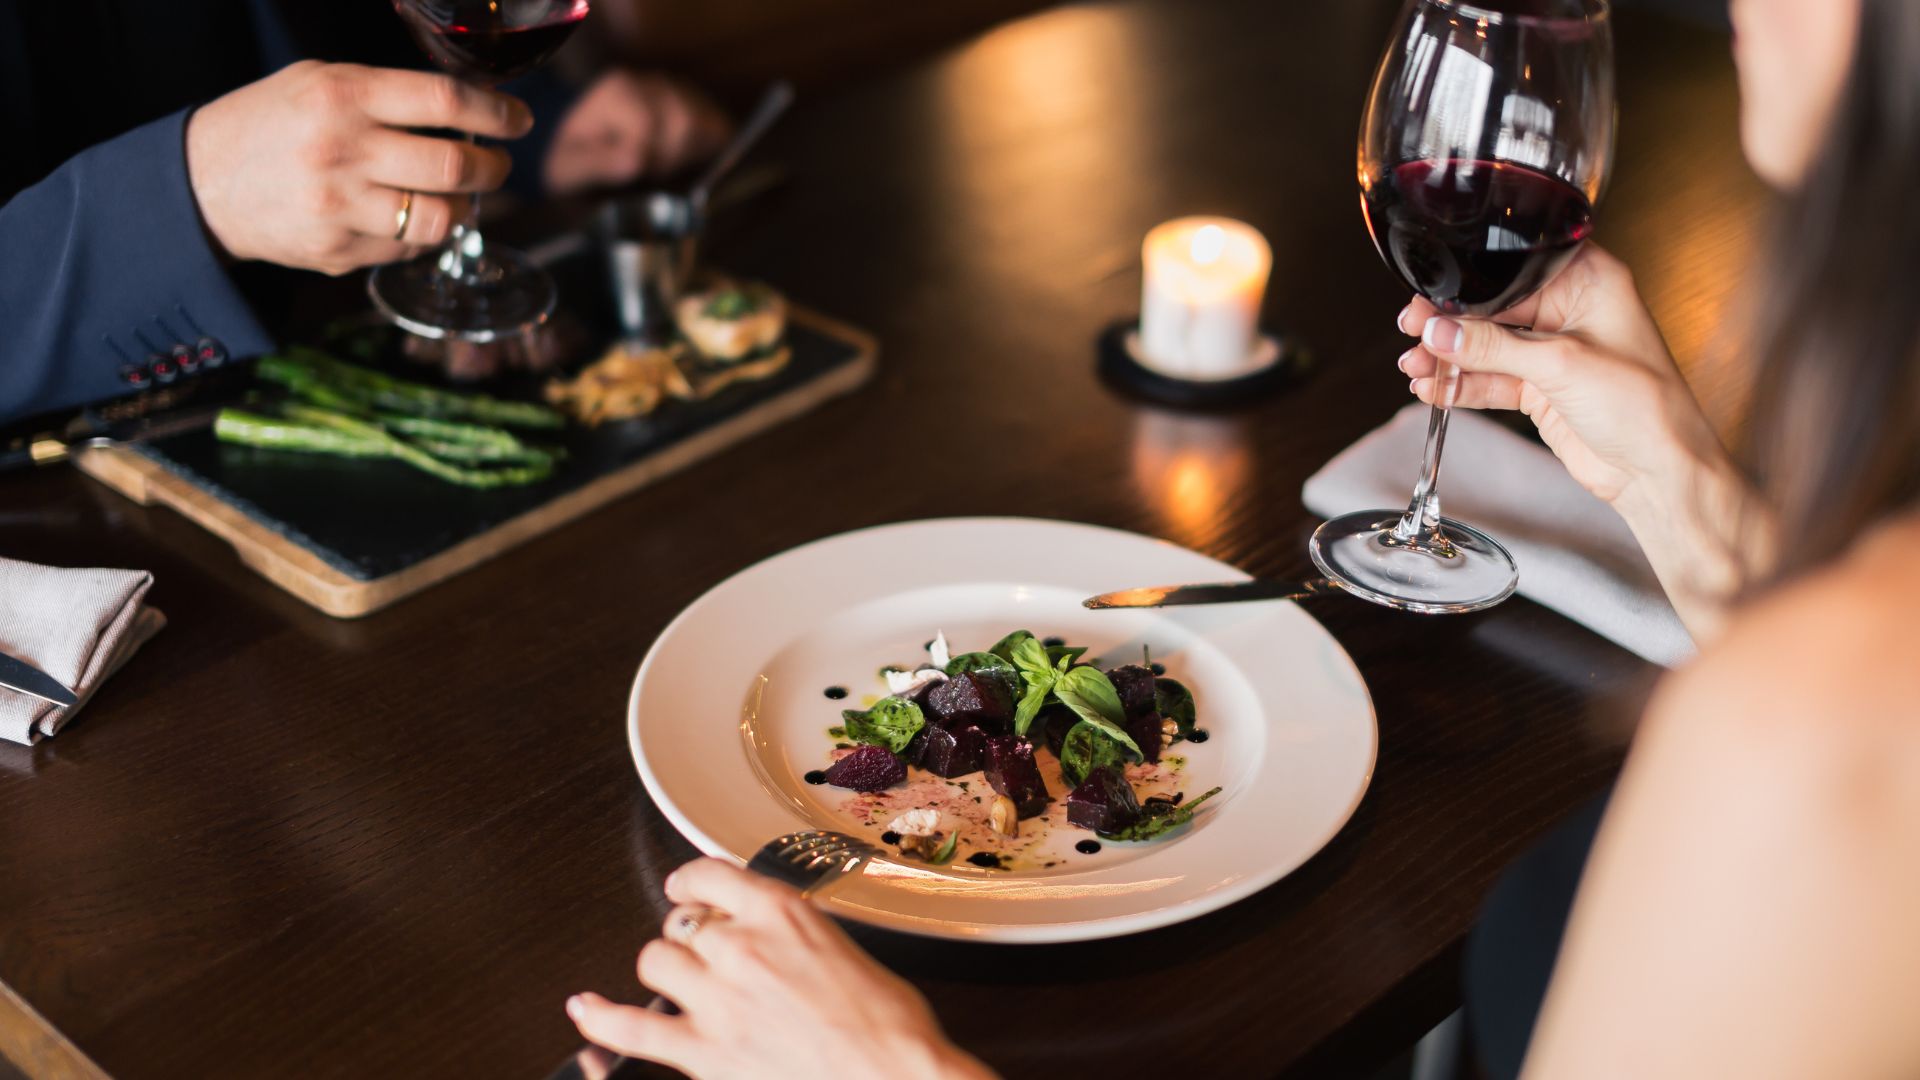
(1200, 298)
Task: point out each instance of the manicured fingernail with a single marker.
(1443, 335)
(575, 1007)
(1405, 359)
(1413, 387)
(1400, 320)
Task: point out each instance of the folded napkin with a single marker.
(78, 626)
(1576, 555)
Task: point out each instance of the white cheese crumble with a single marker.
(907, 683)
(921, 822)
(938, 650)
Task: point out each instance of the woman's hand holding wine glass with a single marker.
(1584, 360)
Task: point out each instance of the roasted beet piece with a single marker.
(870, 768)
(1012, 772)
(1135, 685)
(1146, 731)
(1103, 802)
(953, 751)
(971, 697)
(916, 750)
(1055, 721)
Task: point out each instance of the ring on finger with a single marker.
(685, 921)
(403, 215)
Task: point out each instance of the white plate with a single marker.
(728, 713)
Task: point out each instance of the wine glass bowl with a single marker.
(1486, 141)
(468, 290)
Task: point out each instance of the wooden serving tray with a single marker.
(351, 537)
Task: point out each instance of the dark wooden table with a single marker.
(283, 845)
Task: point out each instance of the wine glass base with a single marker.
(509, 296)
(1360, 553)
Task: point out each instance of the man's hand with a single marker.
(307, 167)
(629, 125)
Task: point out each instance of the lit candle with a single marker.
(1200, 298)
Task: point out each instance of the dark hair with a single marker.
(1834, 435)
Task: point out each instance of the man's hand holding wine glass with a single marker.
(309, 167)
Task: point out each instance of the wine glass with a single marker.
(1486, 141)
(468, 290)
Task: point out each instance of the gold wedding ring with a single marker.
(402, 215)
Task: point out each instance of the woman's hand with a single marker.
(1590, 369)
(307, 167)
(629, 125)
(774, 989)
(1584, 360)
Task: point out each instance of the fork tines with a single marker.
(805, 859)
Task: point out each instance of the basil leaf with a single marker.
(1159, 819)
(1032, 659)
(944, 854)
(1030, 706)
(1085, 749)
(1005, 646)
(1174, 701)
(1087, 691)
(1069, 653)
(892, 723)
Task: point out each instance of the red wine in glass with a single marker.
(1475, 237)
(490, 43)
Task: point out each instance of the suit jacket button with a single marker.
(210, 352)
(185, 359)
(163, 368)
(135, 376)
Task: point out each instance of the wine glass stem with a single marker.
(461, 259)
(1420, 525)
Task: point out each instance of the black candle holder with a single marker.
(1121, 366)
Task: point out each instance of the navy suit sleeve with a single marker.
(103, 262)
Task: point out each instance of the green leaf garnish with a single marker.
(1174, 701)
(944, 854)
(1088, 692)
(985, 662)
(1085, 749)
(1159, 819)
(1005, 646)
(892, 723)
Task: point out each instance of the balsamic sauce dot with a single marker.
(985, 859)
(817, 776)
(889, 837)
(1198, 736)
(1087, 847)
(1159, 668)
(1053, 642)
(836, 692)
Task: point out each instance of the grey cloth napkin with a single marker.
(1576, 555)
(78, 626)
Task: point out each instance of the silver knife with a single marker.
(89, 431)
(1229, 592)
(24, 677)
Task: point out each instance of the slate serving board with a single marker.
(350, 537)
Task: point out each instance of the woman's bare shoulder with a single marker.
(1841, 644)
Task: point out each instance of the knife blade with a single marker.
(1226, 592)
(19, 675)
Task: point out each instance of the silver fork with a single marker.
(809, 861)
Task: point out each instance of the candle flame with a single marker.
(1209, 243)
